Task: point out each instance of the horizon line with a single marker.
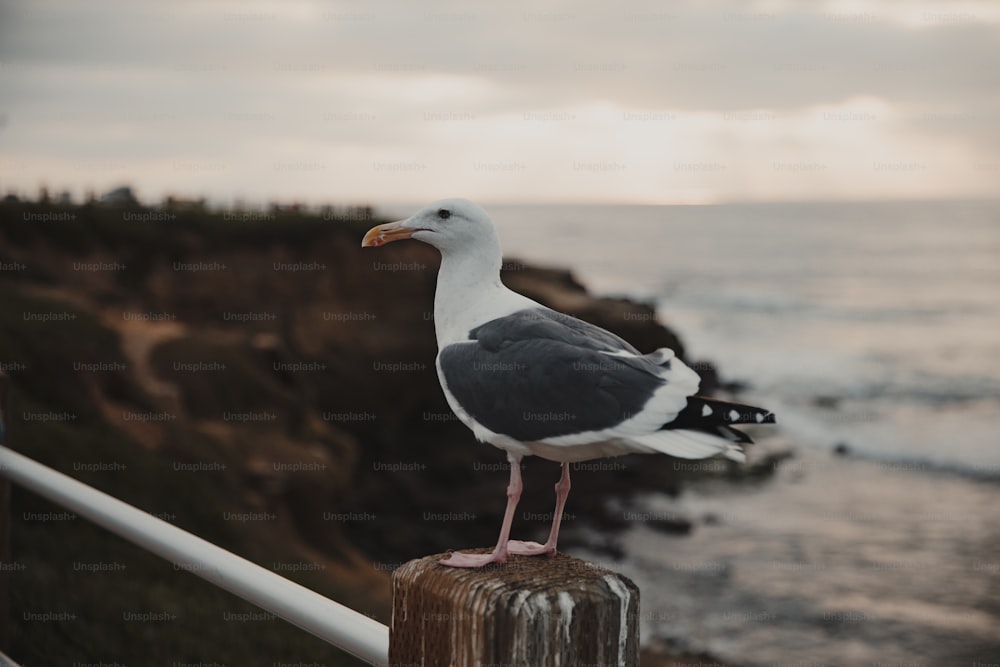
(217, 202)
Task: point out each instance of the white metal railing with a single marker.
(334, 623)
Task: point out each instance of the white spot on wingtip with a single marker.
(760, 417)
(706, 410)
(734, 415)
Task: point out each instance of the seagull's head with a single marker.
(447, 224)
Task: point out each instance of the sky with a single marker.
(386, 101)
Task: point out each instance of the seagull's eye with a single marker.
(444, 213)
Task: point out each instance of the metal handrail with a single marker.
(332, 622)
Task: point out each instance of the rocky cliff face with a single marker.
(294, 370)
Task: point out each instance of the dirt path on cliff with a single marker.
(139, 338)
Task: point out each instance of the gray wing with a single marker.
(540, 374)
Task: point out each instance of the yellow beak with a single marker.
(387, 233)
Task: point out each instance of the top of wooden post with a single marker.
(533, 611)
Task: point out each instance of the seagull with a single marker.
(533, 381)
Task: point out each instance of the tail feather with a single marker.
(690, 444)
(703, 429)
(716, 417)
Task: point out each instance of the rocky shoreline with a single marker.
(298, 371)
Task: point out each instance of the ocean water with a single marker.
(874, 326)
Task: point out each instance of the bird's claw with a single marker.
(459, 559)
(530, 548)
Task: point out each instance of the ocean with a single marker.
(869, 327)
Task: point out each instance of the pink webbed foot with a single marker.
(458, 559)
(530, 548)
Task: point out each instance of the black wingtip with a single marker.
(716, 417)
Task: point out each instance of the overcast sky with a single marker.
(398, 102)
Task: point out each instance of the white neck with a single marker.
(470, 293)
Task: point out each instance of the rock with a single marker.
(559, 289)
(828, 402)
(337, 344)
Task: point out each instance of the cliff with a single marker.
(263, 382)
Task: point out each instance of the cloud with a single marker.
(392, 101)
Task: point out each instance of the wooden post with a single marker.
(530, 612)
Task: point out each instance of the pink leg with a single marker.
(499, 554)
(534, 548)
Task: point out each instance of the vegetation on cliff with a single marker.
(260, 381)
